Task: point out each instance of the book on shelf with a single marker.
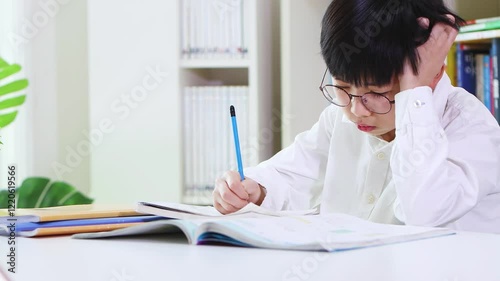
(486, 25)
(208, 150)
(482, 20)
(214, 29)
(466, 65)
(477, 72)
(325, 232)
(478, 35)
(451, 67)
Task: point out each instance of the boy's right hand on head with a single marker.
(231, 194)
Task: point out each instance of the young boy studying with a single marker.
(399, 144)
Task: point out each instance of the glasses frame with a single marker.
(351, 96)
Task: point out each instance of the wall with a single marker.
(477, 9)
(301, 66)
(134, 105)
(52, 34)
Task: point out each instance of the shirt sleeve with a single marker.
(442, 171)
(293, 178)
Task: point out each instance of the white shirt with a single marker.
(442, 169)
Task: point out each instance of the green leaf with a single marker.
(3, 63)
(13, 87)
(9, 70)
(39, 192)
(6, 119)
(12, 102)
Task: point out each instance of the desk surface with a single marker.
(461, 257)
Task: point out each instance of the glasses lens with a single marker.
(376, 103)
(336, 95)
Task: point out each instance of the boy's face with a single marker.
(380, 125)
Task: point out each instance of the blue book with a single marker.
(486, 81)
(63, 227)
(466, 75)
(495, 45)
(28, 226)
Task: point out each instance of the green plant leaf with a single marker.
(3, 63)
(9, 70)
(6, 119)
(13, 87)
(12, 102)
(39, 192)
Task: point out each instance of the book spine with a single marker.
(465, 69)
(480, 26)
(451, 65)
(486, 81)
(483, 20)
(479, 68)
(491, 107)
(495, 57)
(458, 61)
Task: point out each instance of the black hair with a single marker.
(367, 41)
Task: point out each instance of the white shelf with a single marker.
(254, 70)
(211, 63)
(478, 36)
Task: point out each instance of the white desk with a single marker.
(462, 257)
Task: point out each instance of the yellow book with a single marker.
(68, 213)
(451, 66)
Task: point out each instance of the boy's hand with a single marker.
(231, 194)
(432, 55)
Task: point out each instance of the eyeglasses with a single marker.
(374, 102)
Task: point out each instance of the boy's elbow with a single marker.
(437, 215)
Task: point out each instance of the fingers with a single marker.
(228, 193)
(451, 17)
(233, 181)
(222, 206)
(442, 35)
(423, 22)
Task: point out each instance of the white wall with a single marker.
(476, 9)
(138, 155)
(72, 90)
(52, 38)
(302, 66)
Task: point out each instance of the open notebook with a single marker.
(327, 232)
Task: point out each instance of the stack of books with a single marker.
(66, 220)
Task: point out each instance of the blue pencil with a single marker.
(237, 142)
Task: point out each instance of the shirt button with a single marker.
(370, 199)
(418, 103)
(381, 156)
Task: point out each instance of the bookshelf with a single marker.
(475, 64)
(246, 61)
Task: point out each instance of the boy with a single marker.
(399, 144)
